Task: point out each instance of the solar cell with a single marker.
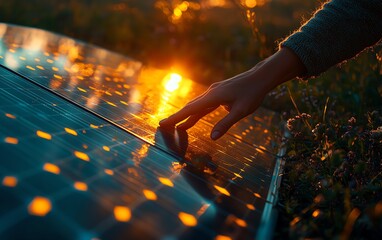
(83, 157)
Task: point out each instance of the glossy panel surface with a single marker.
(82, 155)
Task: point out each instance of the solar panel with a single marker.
(82, 155)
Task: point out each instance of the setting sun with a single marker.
(171, 81)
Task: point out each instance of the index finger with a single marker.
(193, 107)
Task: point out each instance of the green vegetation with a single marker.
(332, 185)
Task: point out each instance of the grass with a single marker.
(332, 182)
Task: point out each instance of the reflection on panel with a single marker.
(69, 174)
(81, 126)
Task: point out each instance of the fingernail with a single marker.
(215, 135)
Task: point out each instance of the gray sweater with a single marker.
(338, 31)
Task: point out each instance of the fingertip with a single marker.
(215, 135)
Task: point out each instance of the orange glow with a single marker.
(187, 219)
(222, 190)
(171, 81)
(259, 150)
(44, 135)
(250, 3)
(71, 131)
(222, 237)
(49, 167)
(251, 207)
(81, 89)
(122, 214)
(40, 67)
(93, 126)
(82, 156)
(10, 181)
(30, 68)
(57, 76)
(106, 148)
(238, 175)
(240, 222)
(111, 104)
(109, 172)
(166, 181)
(316, 213)
(257, 195)
(150, 195)
(11, 140)
(39, 206)
(55, 69)
(8, 115)
(81, 186)
(215, 3)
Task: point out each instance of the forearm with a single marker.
(339, 31)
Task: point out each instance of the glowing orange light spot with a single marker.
(93, 126)
(222, 190)
(124, 103)
(106, 148)
(49, 60)
(11, 140)
(109, 172)
(71, 131)
(110, 103)
(40, 67)
(171, 81)
(122, 214)
(250, 3)
(44, 135)
(184, 6)
(57, 76)
(22, 58)
(259, 150)
(55, 69)
(81, 89)
(81, 186)
(265, 130)
(238, 175)
(49, 167)
(222, 237)
(187, 219)
(39, 206)
(257, 195)
(118, 93)
(150, 195)
(250, 207)
(316, 213)
(9, 181)
(8, 115)
(177, 13)
(240, 222)
(166, 181)
(30, 68)
(82, 156)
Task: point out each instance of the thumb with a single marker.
(226, 123)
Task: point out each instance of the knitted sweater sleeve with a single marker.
(338, 31)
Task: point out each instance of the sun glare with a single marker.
(171, 81)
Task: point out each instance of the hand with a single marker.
(241, 95)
